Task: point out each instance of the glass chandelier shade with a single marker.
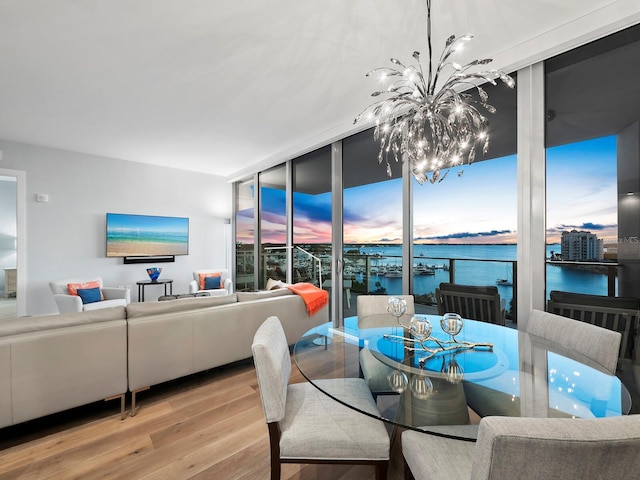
(430, 121)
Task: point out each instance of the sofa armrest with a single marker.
(68, 303)
(228, 285)
(193, 286)
(114, 293)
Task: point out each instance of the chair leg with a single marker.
(275, 468)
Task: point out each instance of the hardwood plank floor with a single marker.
(206, 426)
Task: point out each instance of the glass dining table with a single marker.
(432, 385)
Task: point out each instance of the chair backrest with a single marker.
(557, 448)
(273, 367)
(60, 287)
(589, 341)
(372, 311)
(470, 301)
(620, 314)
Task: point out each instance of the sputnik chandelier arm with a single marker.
(433, 129)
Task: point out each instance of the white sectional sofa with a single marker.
(56, 362)
(171, 339)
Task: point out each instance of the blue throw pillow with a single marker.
(89, 295)
(211, 283)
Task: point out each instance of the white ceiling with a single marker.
(227, 87)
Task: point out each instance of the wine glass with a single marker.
(451, 323)
(396, 308)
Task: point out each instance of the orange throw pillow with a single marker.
(73, 287)
(202, 276)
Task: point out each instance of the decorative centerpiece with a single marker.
(420, 329)
(154, 273)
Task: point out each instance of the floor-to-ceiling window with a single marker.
(593, 187)
(593, 167)
(464, 227)
(311, 252)
(245, 234)
(372, 225)
(273, 225)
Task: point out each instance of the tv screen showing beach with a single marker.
(144, 235)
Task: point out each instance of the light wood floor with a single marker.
(207, 426)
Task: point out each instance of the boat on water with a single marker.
(393, 271)
(421, 269)
(505, 282)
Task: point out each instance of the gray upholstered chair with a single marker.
(510, 448)
(372, 313)
(470, 301)
(306, 425)
(620, 314)
(596, 346)
(66, 303)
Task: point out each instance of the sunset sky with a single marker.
(477, 207)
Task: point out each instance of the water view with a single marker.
(469, 271)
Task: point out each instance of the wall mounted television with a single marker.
(147, 237)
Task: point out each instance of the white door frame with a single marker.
(21, 217)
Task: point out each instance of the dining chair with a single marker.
(529, 449)
(372, 313)
(620, 314)
(305, 424)
(471, 301)
(598, 346)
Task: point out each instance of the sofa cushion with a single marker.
(212, 282)
(90, 295)
(14, 326)
(203, 276)
(136, 310)
(249, 296)
(275, 284)
(115, 302)
(74, 287)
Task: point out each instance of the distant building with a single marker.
(581, 246)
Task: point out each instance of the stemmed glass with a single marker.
(451, 323)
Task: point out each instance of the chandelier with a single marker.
(431, 122)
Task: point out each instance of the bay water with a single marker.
(469, 271)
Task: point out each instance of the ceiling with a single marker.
(228, 88)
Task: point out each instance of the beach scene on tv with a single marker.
(144, 235)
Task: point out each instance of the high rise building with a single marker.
(581, 246)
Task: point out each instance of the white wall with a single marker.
(66, 235)
(8, 228)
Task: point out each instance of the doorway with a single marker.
(12, 243)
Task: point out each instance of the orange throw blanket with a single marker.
(314, 298)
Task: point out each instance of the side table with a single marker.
(143, 283)
(10, 282)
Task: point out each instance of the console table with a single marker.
(10, 282)
(143, 283)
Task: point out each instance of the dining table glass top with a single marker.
(484, 370)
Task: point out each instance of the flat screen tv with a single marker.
(146, 235)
